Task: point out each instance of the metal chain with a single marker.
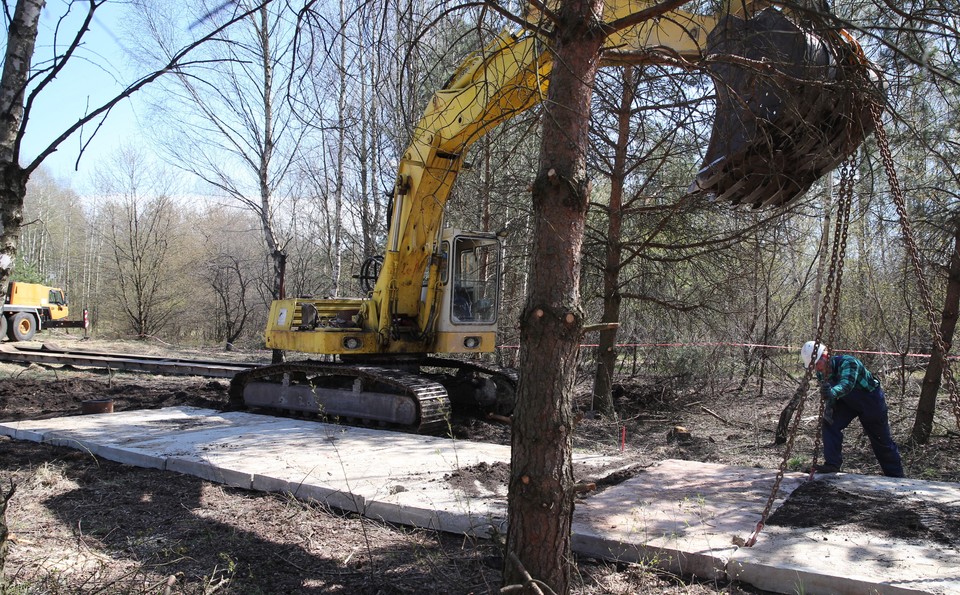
(844, 207)
(898, 198)
(829, 304)
(832, 300)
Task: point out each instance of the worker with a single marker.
(850, 391)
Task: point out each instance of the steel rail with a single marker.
(50, 354)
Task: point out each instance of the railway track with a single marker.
(50, 354)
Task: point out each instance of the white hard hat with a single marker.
(806, 352)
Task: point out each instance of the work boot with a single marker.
(826, 468)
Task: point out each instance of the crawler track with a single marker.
(389, 396)
(377, 391)
(508, 376)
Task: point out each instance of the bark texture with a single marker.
(21, 39)
(927, 405)
(540, 504)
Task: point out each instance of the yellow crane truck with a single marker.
(791, 106)
(30, 307)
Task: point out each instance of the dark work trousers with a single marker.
(871, 408)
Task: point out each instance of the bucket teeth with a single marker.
(791, 106)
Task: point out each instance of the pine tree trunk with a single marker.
(540, 503)
(607, 344)
(927, 405)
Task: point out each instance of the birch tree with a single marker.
(141, 237)
(23, 81)
(229, 125)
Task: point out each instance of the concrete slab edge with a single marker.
(474, 525)
(126, 456)
(13, 430)
(211, 472)
(304, 491)
(725, 566)
(799, 580)
(704, 566)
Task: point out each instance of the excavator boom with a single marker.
(790, 105)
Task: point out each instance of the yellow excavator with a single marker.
(791, 105)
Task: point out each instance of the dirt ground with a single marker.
(80, 524)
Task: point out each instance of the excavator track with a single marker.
(358, 393)
(508, 376)
(476, 387)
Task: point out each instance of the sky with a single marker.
(96, 74)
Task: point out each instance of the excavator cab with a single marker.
(470, 285)
(792, 103)
(475, 272)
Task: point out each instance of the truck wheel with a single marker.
(23, 327)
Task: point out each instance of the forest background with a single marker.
(283, 137)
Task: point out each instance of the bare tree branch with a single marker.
(175, 64)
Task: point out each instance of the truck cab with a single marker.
(31, 306)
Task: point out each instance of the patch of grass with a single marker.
(51, 477)
(798, 464)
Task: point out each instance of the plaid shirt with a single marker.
(848, 373)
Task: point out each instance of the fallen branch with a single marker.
(716, 415)
(528, 581)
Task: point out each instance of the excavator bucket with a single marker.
(791, 106)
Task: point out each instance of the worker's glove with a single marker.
(825, 393)
(828, 410)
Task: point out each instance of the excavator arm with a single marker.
(506, 78)
(789, 108)
(765, 150)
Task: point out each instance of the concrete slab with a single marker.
(685, 516)
(682, 515)
(843, 560)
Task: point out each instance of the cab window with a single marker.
(475, 280)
